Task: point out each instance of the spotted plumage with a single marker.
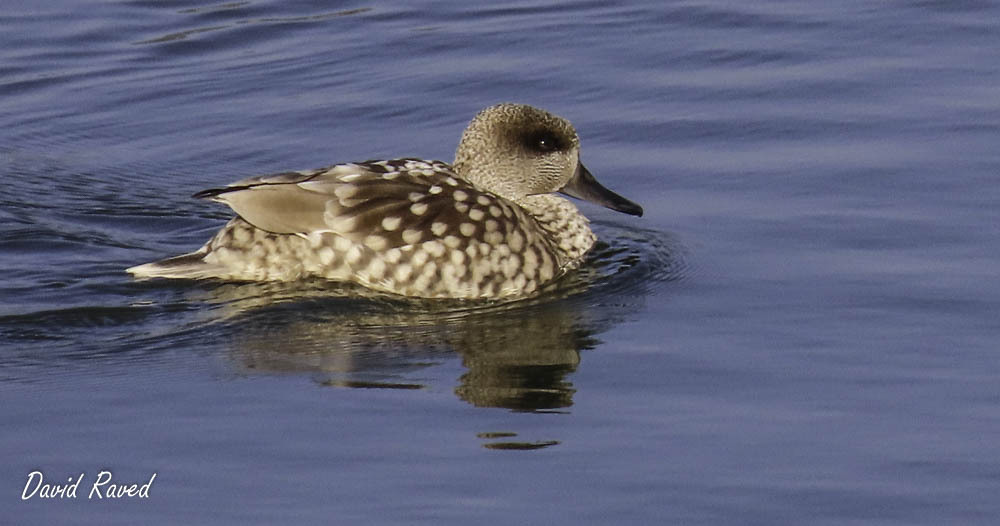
(487, 226)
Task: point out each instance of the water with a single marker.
(801, 330)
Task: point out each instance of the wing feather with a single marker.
(385, 203)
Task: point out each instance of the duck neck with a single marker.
(486, 180)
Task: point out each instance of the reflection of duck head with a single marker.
(517, 355)
(521, 362)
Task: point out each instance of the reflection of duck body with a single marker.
(487, 226)
(518, 355)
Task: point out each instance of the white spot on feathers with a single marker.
(326, 255)
(403, 272)
(354, 255)
(516, 241)
(345, 191)
(376, 269)
(411, 236)
(391, 223)
(376, 242)
(434, 248)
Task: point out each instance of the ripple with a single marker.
(627, 259)
(235, 7)
(73, 317)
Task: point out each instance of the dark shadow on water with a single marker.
(508, 444)
(516, 355)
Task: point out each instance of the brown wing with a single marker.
(383, 204)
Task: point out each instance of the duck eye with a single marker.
(543, 142)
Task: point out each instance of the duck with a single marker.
(489, 225)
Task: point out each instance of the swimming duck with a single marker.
(488, 225)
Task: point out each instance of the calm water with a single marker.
(803, 329)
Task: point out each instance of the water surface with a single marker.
(801, 330)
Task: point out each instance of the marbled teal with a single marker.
(486, 226)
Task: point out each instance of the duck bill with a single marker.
(584, 186)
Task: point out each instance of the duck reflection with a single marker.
(517, 355)
(521, 360)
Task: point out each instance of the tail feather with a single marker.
(185, 266)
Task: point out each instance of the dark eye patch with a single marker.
(543, 141)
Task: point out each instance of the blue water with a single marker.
(802, 329)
